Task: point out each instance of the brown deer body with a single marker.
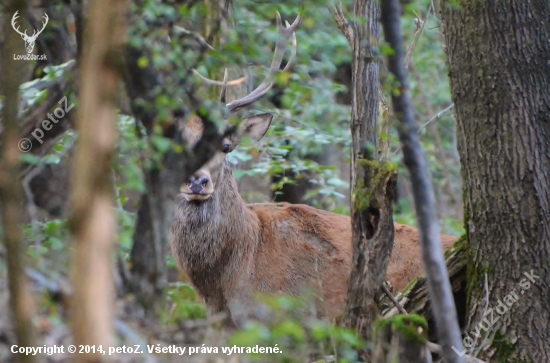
(230, 250)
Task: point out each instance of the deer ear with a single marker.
(255, 127)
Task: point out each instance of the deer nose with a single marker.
(198, 183)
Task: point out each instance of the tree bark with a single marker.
(11, 201)
(92, 222)
(439, 287)
(372, 181)
(498, 56)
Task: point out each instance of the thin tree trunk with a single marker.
(498, 54)
(92, 221)
(11, 201)
(443, 305)
(372, 181)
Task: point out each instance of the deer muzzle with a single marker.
(199, 187)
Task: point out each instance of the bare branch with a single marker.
(198, 38)
(437, 115)
(419, 27)
(342, 22)
(393, 300)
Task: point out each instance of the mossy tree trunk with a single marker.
(498, 54)
(372, 180)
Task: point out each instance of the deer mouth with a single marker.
(196, 194)
(196, 197)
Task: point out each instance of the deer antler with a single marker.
(44, 23)
(267, 83)
(13, 19)
(218, 83)
(224, 87)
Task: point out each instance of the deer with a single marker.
(29, 39)
(230, 250)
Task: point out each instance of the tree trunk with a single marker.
(11, 201)
(92, 222)
(498, 56)
(372, 181)
(439, 287)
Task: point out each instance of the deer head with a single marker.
(29, 40)
(202, 184)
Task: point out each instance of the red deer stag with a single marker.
(229, 249)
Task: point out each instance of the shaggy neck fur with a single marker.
(212, 236)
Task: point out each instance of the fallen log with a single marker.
(415, 298)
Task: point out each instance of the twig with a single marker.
(43, 283)
(419, 27)
(393, 300)
(438, 115)
(341, 22)
(196, 36)
(486, 288)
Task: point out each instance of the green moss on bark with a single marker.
(379, 173)
(413, 327)
(505, 349)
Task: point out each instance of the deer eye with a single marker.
(226, 148)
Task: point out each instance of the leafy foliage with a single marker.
(296, 335)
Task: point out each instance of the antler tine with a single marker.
(13, 24)
(267, 83)
(294, 50)
(44, 23)
(218, 83)
(224, 87)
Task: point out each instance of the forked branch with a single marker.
(342, 22)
